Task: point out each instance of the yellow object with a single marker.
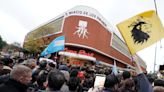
(141, 31)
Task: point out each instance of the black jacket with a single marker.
(12, 86)
(109, 90)
(4, 78)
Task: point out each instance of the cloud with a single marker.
(10, 29)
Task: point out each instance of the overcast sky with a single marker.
(18, 17)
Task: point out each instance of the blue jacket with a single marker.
(144, 85)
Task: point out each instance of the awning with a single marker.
(75, 55)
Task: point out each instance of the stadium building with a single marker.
(88, 38)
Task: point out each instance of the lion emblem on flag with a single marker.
(140, 31)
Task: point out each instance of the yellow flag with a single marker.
(141, 30)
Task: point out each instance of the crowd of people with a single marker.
(33, 75)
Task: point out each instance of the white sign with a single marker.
(82, 29)
(88, 12)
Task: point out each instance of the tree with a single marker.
(36, 41)
(2, 43)
(34, 46)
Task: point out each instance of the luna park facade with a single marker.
(88, 38)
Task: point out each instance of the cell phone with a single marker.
(99, 80)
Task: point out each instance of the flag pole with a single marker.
(155, 56)
(155, 4)
(156, 42)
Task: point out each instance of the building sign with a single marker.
(82, 52)
(82, 29)
(89, 12)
